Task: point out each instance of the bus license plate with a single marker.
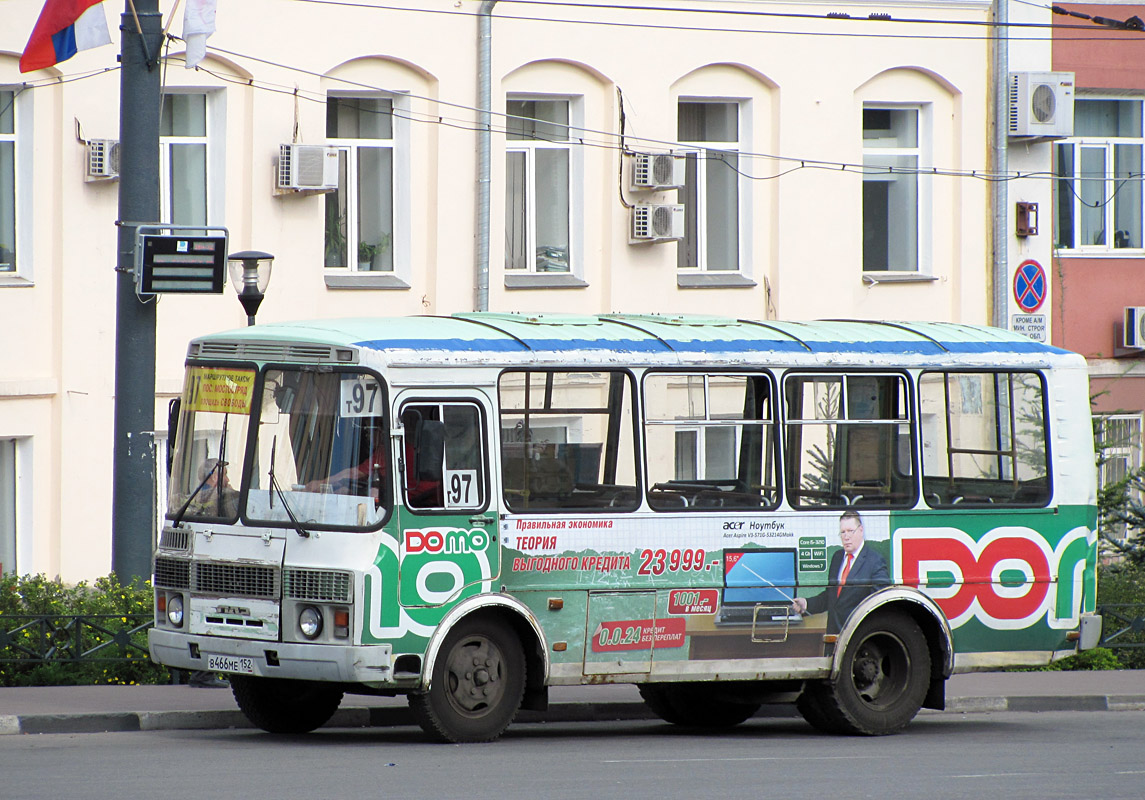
(230, 664)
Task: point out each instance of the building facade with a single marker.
(826, 167)
(1099, 226)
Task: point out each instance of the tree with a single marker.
(1120, 511)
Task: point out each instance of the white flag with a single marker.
(198, 24)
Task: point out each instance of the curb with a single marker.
(384, 717)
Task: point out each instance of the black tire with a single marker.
(655, 696)
(882, 682)
(285, 706)
(699, 705)
(477, 683)
(810, 706)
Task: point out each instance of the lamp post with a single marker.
(250, 274)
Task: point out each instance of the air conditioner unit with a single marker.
(657, 171)
(657, 223)
(1134, 329)
(307, 167)
(102, 159)
(1041, 104)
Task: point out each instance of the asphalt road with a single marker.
(1009, 755)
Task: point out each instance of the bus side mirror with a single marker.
(173, 409)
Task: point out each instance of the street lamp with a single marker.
(250, 274)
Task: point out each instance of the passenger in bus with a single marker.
(215, 497)
(856, 571)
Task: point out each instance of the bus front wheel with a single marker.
(882, 681)
(477, 683)
(285, 706)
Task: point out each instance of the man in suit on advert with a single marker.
(855, 572)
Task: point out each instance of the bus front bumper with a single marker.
(371, 664)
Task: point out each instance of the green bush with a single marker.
(1124, 583)
(1098, 658)
(110, 609)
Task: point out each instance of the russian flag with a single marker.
(64, 28)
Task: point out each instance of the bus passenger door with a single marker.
(448, 547)
(620, 633)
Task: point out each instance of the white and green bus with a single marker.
(468, 510)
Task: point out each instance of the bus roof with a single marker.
(659, 339)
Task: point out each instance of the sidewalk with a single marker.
(90, 709)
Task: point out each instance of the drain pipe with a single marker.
(1000, 192)
(484, 145)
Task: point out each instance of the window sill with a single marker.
(713, 280)
(358, 280)
(874, 278)
(1122, 253)
(544, 280)
(15, 281)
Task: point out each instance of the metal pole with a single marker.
(484, 156)
(133, 468)
(1000, 191)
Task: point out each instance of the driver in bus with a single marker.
(372, 468)
(215, 497)
(856, 571)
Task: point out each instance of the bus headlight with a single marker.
(175, 610)
(310, 622)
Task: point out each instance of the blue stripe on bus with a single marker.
(460, 345)
(722, 346)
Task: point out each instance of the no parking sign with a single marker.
(1029, 294)
(1030, 286)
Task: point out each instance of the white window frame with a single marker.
(1121, 458)
(215, 134)
(529, 276)
(700, 432)
(743, 193)
(19, 471)
(1108, 144)
(924, 188)
(24, 187)
(398, 276)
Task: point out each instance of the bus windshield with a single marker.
(322, 451)
(211, 444)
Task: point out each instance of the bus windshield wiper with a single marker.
(274, 489)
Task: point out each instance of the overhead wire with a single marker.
(608, 137)
(830, 17)
(609, 140)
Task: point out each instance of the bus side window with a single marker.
(444, 458)
(709, 441)
(984, 439)
(848, 441)
(567, 441)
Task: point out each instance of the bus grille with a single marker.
(236, 580)
(274, 351)
(172, 573)
(317, 584)
(173, 539)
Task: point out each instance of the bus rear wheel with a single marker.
(285, 706)
(701, 705)
(882, 681)
(477, 683)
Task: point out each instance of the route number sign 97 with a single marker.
(360, 396)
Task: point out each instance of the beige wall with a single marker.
(802, 96)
